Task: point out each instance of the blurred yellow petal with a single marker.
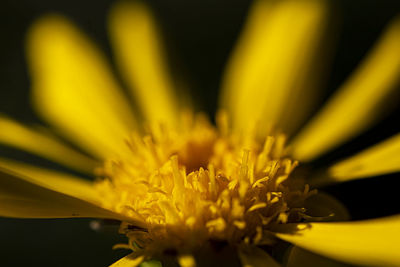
(22, 197)
(131, 260)
(299, 257)
(370, 243)
(256, 257)
(382, 158)
(358, 103)
(39, 142)
(270, 66)
(57, 181)
(73, 87)
(140, 57)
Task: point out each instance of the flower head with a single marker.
(201, 183)
(178, 182)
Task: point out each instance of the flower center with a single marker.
(202, 182)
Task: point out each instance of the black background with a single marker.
(199, 36)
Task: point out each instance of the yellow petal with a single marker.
(371, 243)
(140, 57)
(382, 158)
(256, 257)
(358, 102)
(57, 181)
(20, 197)
(73, 87)
(299, 257)
(271, 64)
(42, 143)
(131, 260)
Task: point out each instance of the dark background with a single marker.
(199, 36)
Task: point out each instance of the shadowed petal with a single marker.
(327, 207)
(22, 198)
(256, 257)
(299, 257)
(57, 181)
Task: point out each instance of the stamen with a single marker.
(257, 206)
(243, 182)
(178, 180)
(217, 225)
(186, 261)
(213, 186)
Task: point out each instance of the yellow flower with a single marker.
(178, 183)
